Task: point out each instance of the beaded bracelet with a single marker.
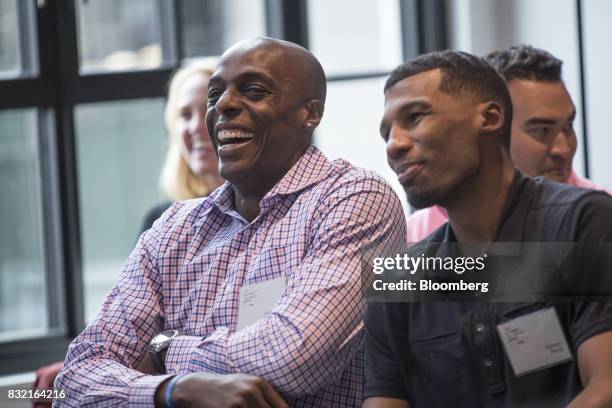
(170, 389)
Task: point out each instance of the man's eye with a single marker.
(214, 95)
(255, 92)
(539, 133)
(414, 118)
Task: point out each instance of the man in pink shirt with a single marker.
(543, 140)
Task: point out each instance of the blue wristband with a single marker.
(170, 389)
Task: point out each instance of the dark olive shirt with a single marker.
(448, 354)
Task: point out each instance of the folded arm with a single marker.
(99, 365)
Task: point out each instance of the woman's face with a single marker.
(198, 150)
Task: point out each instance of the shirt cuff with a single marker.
(180, 353)
(188, 354)
(142, 391)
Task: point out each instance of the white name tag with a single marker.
(534, 341)
(258, 299)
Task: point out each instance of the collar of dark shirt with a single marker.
(310, 169)
(443, 242)
(511, 221)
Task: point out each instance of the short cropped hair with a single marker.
(462, 73)
(527, 63)
(177, 180)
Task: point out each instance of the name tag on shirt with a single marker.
(534, 341)
(258, 299)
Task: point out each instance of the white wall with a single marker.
(597, 15)
(481, 26)
(343, 43)
(348, 37)
(350, 127)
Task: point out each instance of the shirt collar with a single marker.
(513, 207)
(311, 168)
(222, 197)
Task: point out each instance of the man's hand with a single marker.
(203, 390)
(384, 402)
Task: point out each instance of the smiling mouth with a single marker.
(233, 136)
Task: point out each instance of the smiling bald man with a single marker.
(251, 296)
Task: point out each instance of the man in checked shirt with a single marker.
(288, 224)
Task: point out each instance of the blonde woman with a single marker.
(191, 168)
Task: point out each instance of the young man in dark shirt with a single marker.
(543, 141)
(447, 128)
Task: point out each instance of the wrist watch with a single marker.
(159, 346)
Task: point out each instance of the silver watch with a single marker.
(158, 345)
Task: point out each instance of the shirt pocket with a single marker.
(438, 371)
(437, 355)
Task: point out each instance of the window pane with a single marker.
(597, 15)
(117, 35)
(23, 297)
(9, 38)
(120, 150)
(371, 28)
(211, 26)
(357, 141)
(17, 39)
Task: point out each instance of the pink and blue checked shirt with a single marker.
(186, 273)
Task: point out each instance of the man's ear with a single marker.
(314, 113)
(492, 117)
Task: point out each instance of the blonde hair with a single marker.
(177, 180)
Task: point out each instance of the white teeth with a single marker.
(228, 134)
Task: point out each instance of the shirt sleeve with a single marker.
(383, 372)
(315, 329)
(590, 319)
(595, 218)
(584, 264)
(98, 368)
(595, 263)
